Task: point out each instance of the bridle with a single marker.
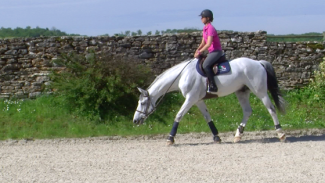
(146, 113)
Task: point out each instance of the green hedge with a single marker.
(99, 86)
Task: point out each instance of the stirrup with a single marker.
(214, 89)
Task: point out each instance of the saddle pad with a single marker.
(223, 67)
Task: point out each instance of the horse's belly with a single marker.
(228, 84)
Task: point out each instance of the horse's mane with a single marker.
(166, 71)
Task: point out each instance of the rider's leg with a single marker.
(207, 66)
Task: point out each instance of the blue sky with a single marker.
(98, 17)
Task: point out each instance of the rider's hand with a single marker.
(197, 54)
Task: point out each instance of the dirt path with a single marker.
(260, 157)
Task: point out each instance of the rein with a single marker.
(161, 98)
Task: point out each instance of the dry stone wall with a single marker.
(26, 62)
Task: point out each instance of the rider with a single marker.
(210, 42)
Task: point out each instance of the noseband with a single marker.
(146, 113)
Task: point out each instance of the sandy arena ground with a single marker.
(259, 157)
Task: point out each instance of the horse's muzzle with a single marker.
(139, 121)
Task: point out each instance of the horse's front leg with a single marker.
(185, 107)
(204, 110)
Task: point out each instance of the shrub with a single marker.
(99, 86)
(318, 83)
(314, 93)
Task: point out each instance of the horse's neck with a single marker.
(167, 82)
(163, 86)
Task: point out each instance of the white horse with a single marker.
(246, 76)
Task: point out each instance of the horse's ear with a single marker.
(140, 89)
(143, 92)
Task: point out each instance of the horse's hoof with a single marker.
(282, 138)
(217, 139)
(169, 143)
(237, 139)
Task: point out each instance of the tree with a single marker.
(127, 33)
(121, 34)
(157, 32)
(32, 32)
(139, 32)
(149, 33)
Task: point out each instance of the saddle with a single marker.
(220, 66)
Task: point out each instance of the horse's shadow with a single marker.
(288, 139)
(264, 140)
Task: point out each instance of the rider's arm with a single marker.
(197, 54)
(207, 45)
(201, 45)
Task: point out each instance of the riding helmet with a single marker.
(207, 13)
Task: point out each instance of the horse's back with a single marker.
(244, 72)
(246, 66)
(244, 62)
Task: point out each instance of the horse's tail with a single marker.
(272, 86)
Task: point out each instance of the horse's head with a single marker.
(145, 107)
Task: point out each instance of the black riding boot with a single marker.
(212, 84)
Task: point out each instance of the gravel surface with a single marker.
(259, 157)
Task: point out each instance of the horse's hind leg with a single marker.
(270, 107)
(243, 98)
(203, 108)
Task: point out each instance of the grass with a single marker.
(46, 117)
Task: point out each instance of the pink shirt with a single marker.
(209, 30)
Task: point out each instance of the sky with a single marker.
(99, 17)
